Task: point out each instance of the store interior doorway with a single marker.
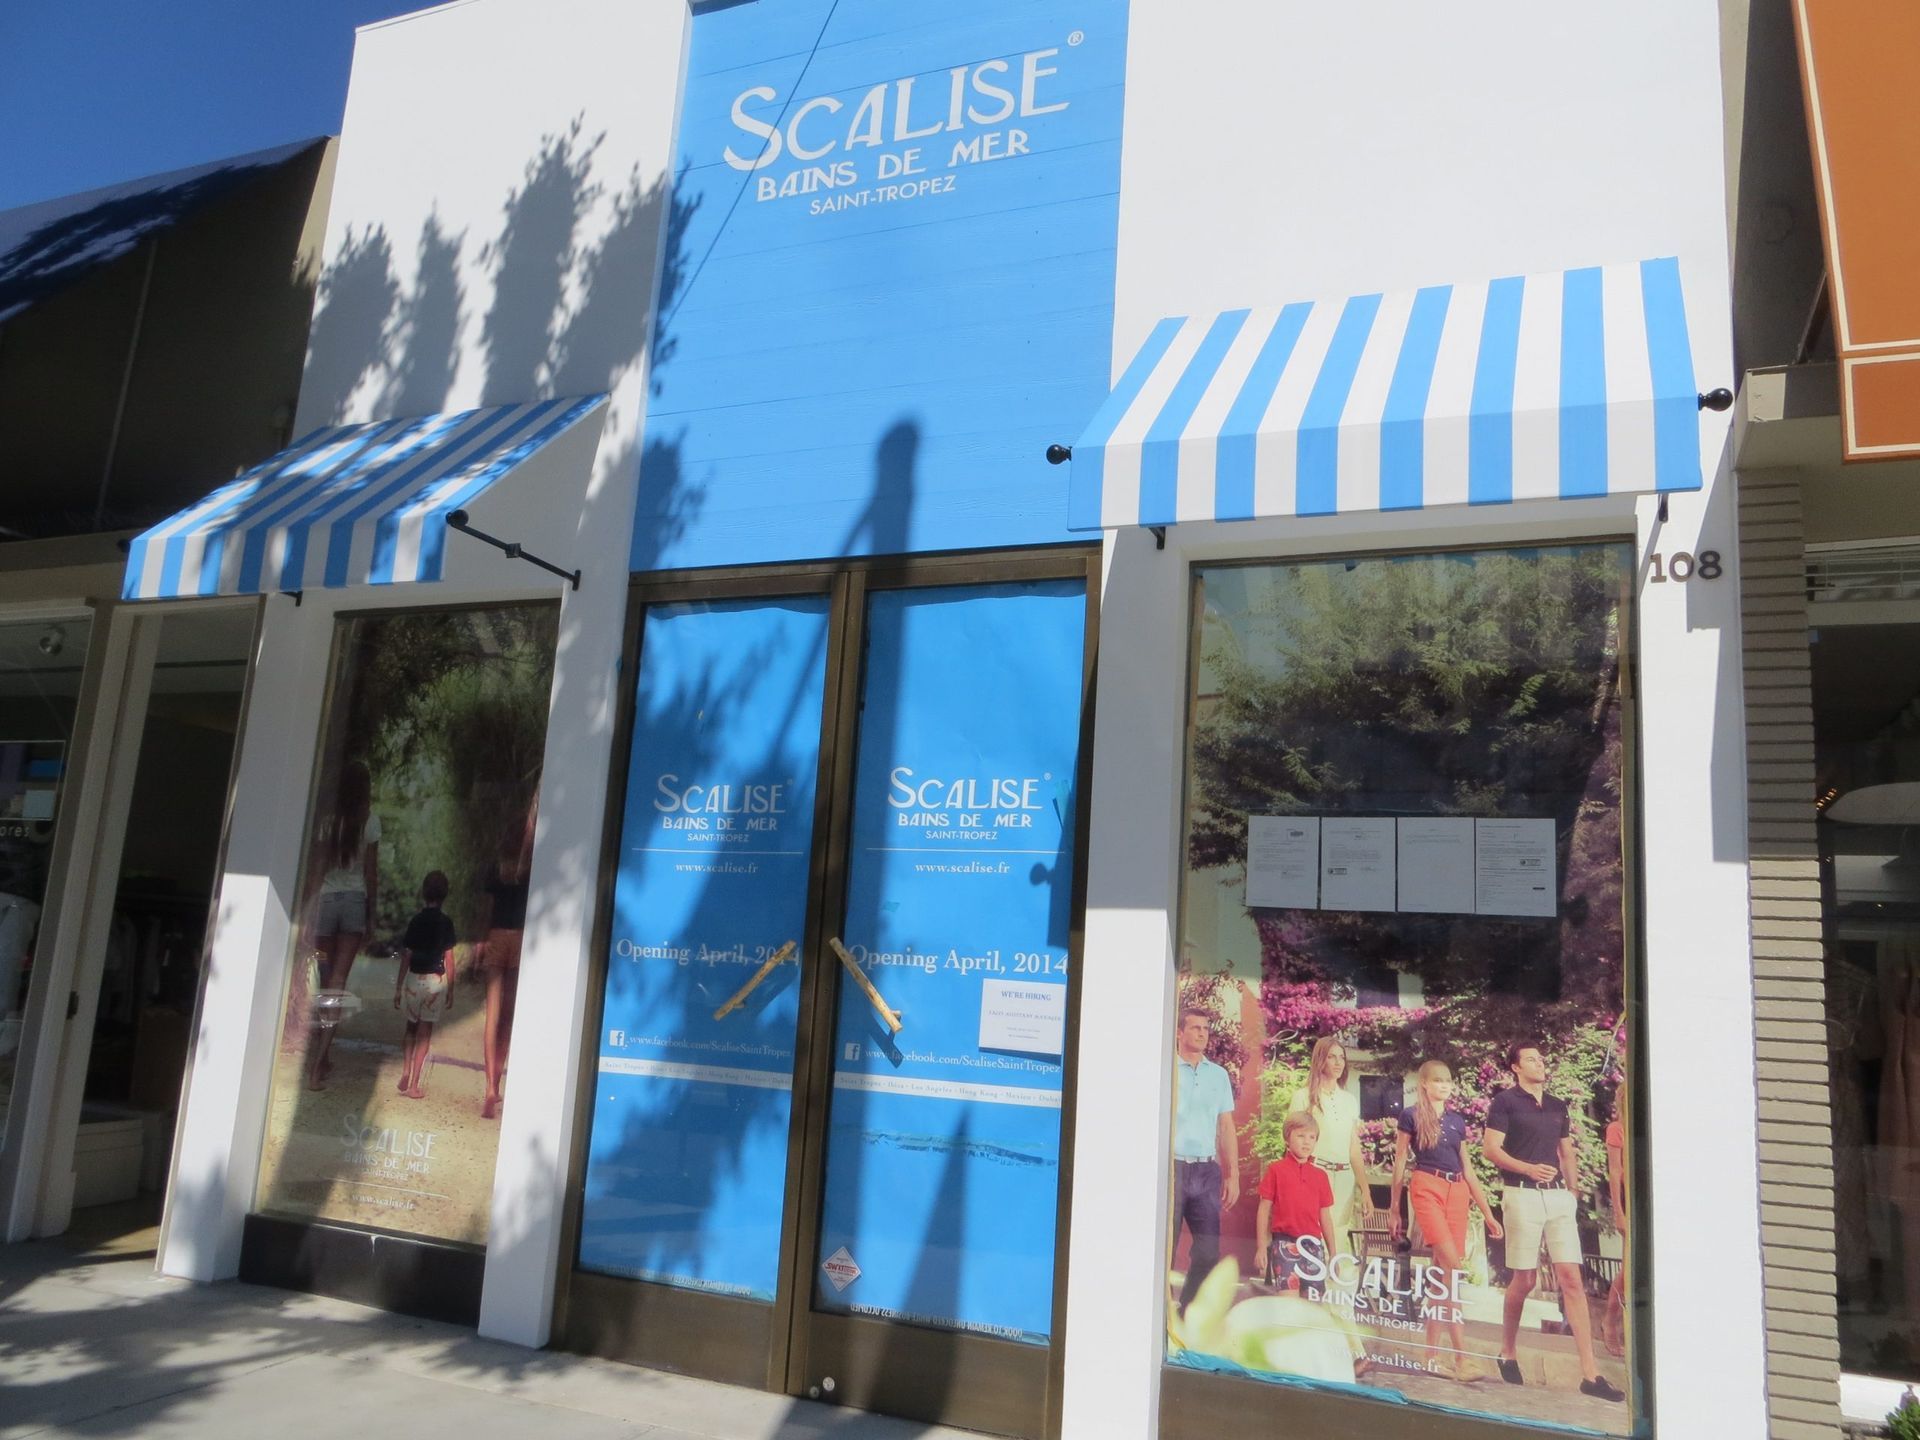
(41, 661)
(1866, 713)
(153, 883)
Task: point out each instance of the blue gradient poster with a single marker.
(943, 1156)
(889, 281)
(687, 1155)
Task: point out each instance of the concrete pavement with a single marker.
(94, 1344)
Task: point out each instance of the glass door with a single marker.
(683, 1220)
(825, 1152)
(932, 1285)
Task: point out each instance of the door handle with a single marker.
(888, 1015)
(771, 963)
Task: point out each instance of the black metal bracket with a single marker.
(1159, 533)
(294, 595)
(1661, 514)
(457, 520)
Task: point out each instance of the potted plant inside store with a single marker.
(1903, 1421)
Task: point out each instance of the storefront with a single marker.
(745, 947)
(119, 724)
(1828, 557)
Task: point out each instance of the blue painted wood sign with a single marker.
(889, 280)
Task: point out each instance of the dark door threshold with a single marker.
(425, 1278)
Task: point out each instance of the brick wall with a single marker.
(1796, 1155)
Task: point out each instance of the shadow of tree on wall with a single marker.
(426, 334)
(567, 310)
(668, 501)
(355, 305)
(536, 251)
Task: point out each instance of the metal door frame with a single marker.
(878, 1364)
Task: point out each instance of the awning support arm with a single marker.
(1159, 533)
(457, 520)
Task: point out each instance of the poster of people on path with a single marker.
(392, 1067)
(1400, 1057)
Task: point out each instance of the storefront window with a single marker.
(1402, 1151)
(40, 666)
(1867, 746)
(392, 1064)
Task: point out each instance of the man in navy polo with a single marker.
(1529, 1139)
(1206, 1155)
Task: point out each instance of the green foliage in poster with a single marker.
(1476, 686)
(448, 711)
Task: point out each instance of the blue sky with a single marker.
(97, 91)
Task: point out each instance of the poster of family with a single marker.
(1400, 1060)
(396, 1035)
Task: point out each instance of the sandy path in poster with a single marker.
(310, 1170)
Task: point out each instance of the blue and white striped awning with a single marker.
(348, 505)
(1566, 385)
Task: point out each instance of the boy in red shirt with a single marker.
(1296, 1200)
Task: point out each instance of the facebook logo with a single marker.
(616, 1039)
(852, 1052)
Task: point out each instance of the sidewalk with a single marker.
(95, 1344)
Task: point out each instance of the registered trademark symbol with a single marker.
(1076, 37)
(1046, 775)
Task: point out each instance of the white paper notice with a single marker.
(1024, 1016)
(1356, 863)
(1436, 865)
(1283, 861)
(1513, 871)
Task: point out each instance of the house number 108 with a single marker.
(1682, 566)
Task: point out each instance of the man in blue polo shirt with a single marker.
(1529, 1139)
(1206, 1155)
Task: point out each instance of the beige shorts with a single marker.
(1530, 1216)
(424, 997)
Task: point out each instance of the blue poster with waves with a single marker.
(943, 1153)
(687, 1154)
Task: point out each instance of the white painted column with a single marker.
(1702, 1155)
(224, 1108)
(1116, 1278)
(542, 1096)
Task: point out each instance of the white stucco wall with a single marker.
(1344, 149)
(502, 182)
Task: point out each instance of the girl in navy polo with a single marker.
(1433, 1139)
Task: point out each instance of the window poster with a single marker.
(413, 900)
(687, 1155)
(943, 1151)
(1401, 1154)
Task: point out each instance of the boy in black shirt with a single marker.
(422, 988)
